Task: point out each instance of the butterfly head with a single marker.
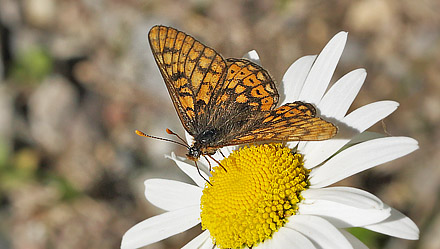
(202, 144)
(193, 153)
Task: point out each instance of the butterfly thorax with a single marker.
(201, 145)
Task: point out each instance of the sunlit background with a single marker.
(78, 77)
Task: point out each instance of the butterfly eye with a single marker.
(193, 153)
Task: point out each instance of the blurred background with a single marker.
(78, 77)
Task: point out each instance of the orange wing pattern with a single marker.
(191, 71)
(248, 83)
(248, 92)
(294, 121)
(227, 102)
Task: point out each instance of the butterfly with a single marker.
(223, 102)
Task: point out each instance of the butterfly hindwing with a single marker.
(249, 84)
(247, 93)
(291, 122)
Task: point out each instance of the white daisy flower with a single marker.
(271, 197)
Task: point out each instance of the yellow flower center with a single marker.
(253, 198)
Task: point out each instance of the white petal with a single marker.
(322, 70)
(208, 245)
(339, 98)
(294, 78)
(321, 232)
(293, 145)
(189, 138)
(161, 227)
(344, 207)
(397, 225)
(190, 170)
(353, 240)
(199, 241)
(346, 195)
(354, 123)
(290, 238)
(361, 157)
(253, 56)
(364, 136)
(171, 195)
(364, 117)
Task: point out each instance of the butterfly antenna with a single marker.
(142, 134)
(175, 134)
(200, 173)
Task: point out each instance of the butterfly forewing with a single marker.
(191, 72)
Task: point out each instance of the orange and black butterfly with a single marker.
(223, 102)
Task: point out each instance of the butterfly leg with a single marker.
(221, 153)
(200, 173)
(208, 163)
(217, 162)
(295, 149)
